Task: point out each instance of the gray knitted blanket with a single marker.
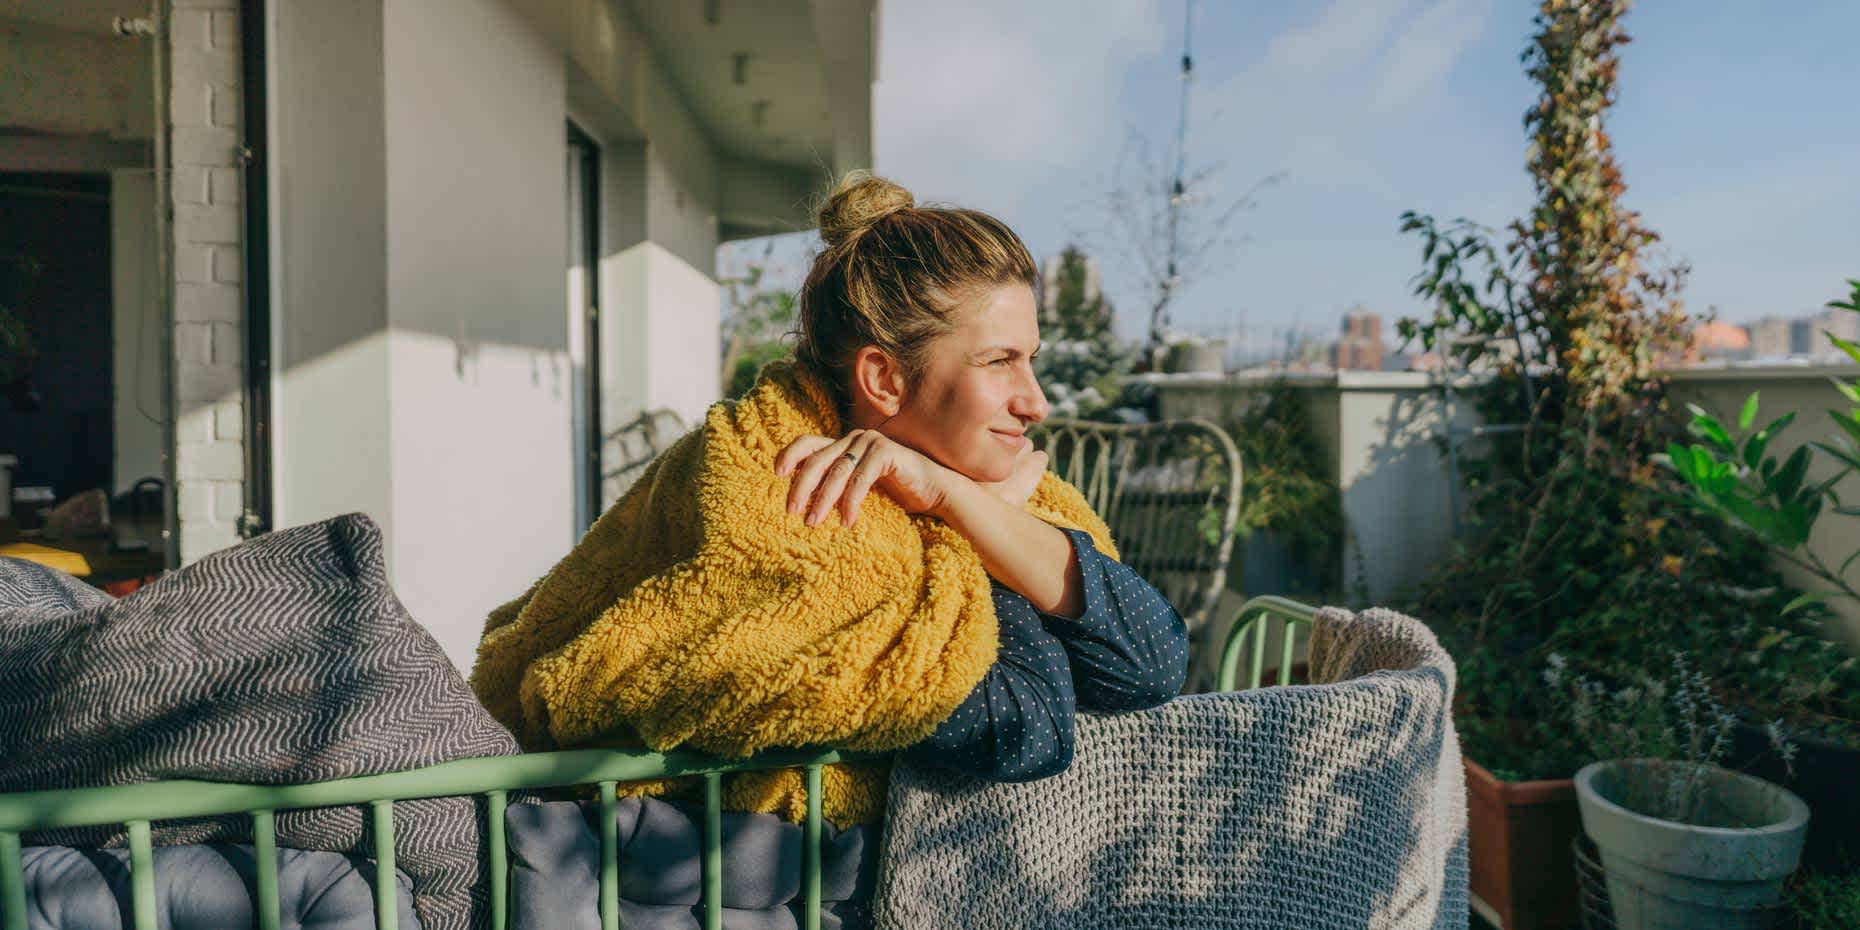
(286, 659)
(1334, 805)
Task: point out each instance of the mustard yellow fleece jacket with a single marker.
(698, 613)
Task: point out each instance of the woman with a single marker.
(753, 591)
(925, 322)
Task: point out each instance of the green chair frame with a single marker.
(139, 806)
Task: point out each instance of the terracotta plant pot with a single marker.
(1519, 843)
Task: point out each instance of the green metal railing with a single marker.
(1247, 638)
(138, 807)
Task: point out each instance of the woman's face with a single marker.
(971, 407)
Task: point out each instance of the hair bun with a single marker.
(859, 200)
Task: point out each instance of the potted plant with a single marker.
(1683, 841)
(1291, 513)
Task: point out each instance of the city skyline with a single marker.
(1369, 108)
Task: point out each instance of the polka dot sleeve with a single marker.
(1017, 723)
(1128, 648)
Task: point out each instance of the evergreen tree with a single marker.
(1081, 366)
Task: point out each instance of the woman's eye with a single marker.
(1001, 361)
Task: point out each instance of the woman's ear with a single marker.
(878, 381)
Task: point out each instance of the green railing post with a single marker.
(496, 802)
(265, 866)
(1287, 641)
(142, 875)
(610, 859)
(12, 881)
(387, 888)
(713, 851)
(810, 859)
(1257, 668)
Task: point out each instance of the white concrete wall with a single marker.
(209, 312)
(661, 308)
(1378, 433)
(479, 385)
(684, 305)
(1377, 430)
(424, 356)
(330, 415)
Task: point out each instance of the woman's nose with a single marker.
(1030, 402)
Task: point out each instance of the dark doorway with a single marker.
(57, 411)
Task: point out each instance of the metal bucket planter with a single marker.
(1722, 869)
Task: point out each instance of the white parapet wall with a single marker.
(1382, 434)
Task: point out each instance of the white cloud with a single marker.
(1329, 44)
(1357, 68)
(978, 100)
(1427, 49)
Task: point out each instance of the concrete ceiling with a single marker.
(788, 107)
(80, 15)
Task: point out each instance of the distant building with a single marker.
(1413, 361)
(1713, 341)
(1049, 290)
(1360, 346)
(1841, 323)
(1780, 337)
(1718, 341)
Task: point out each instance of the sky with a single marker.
(1735, 131)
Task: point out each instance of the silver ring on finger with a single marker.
(851, 459)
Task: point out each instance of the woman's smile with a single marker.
(1015, 440)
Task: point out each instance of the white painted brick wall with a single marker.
(209, 306)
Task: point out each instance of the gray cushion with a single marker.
(202, 888)
(556, 860)
(282, 660)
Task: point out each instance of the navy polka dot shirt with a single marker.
(1127, 650)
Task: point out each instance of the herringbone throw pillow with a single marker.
(287, 659)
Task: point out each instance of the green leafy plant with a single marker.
(1826, 900)
(755, 323)
(1286, 488)
(1679, 718)
(1081, 366)
(17, 351)
(1733, 473)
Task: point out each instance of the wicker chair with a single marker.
(1170, 492)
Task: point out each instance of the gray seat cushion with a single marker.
(556, 860)
(202, 888)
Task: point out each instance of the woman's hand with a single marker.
(829, 472)
(1018, 488)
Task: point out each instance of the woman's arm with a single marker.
(1128, 647)
(1018, 549)
(1017, 723)
(1023, 552)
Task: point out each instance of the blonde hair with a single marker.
(892, 272)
